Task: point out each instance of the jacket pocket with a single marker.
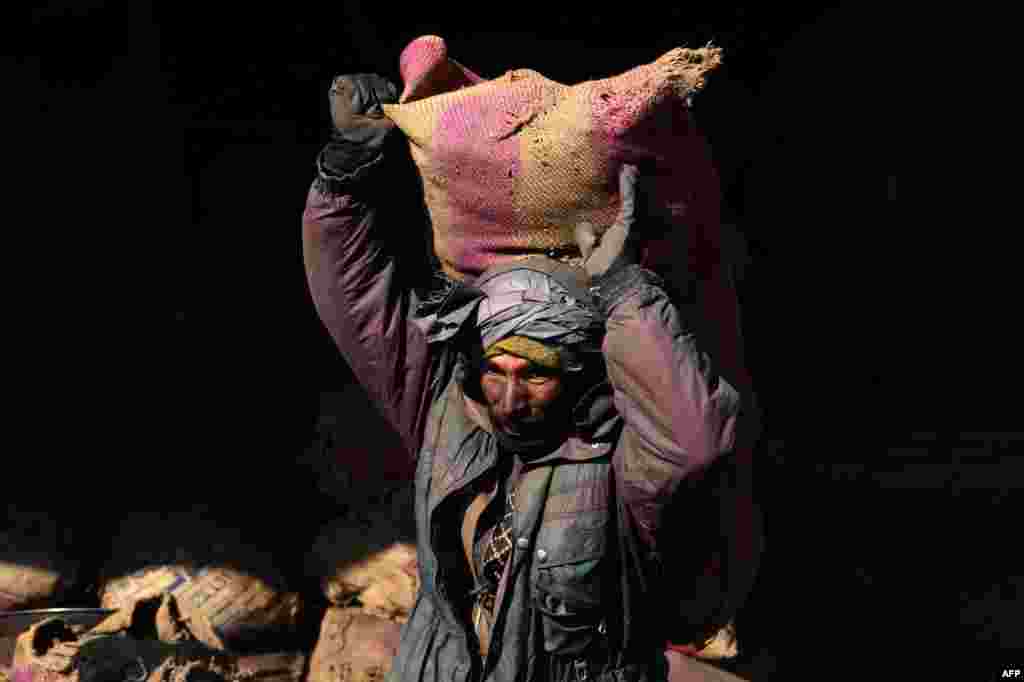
(569, 627)
(569, 557)
(568, 584)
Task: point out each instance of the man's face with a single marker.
(520, 395)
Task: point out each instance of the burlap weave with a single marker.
(354, 646)
(511, 165)
(213, 571)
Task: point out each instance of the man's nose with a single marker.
(515, 397)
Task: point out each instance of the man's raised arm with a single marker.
(679, 415)
(361, 294)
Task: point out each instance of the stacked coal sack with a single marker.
(218, 578)
(150, 641)
(38, 566)
(193, 599)
(366, 563)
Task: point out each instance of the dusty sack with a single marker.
(124, 646)
(369, 557)
(353, 647)
(36, 566)
(287, 667)
(510, 165)
(213, 573)
(148, 641)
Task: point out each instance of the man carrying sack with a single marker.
(551, 412)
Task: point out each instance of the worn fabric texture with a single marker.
(354, 646)
(214, 572)
(510, 165)
(147, 641)
(521, 299)
(524, 347)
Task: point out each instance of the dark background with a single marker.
(179, 145)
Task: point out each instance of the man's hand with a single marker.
(617, 246)
(355, 102)
(359, 129)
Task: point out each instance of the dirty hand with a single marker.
(355, 103)
(359, 129)
(617, 246)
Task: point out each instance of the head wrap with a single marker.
(537, 298)
(542, 354)
(538, 308)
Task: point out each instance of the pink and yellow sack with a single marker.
(510, 165)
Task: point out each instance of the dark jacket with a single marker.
(584, 594)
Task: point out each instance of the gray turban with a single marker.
(539, 298)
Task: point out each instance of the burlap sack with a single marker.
(353, 647)
(288, 667)
(216, 576)
(36, 566)
(148, 641)
(719, 646)
(511, 165)
(124, 646)
(369, 558)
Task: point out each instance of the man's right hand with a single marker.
(615, 247)
(360, 128)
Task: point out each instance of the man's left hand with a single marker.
(618, 245)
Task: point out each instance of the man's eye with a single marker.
(538, 377)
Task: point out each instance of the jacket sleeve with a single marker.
(679, 416)
(365, 300)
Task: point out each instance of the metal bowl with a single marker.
(13, 623)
